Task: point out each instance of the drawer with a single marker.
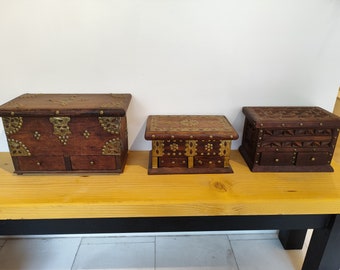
(41, 163)
(208, 162)
(93, 162)
(313, 158)
(277, 159)
(173, 162)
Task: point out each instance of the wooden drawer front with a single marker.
(208, 162)
(174, 147)
(313, 158)
(277, 159)
(41, 163)
(208, 147)
(173, 162)
(93, 162)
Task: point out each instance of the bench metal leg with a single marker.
(292, 239)
(324, 248)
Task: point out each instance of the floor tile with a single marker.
(116, 240)
(253, 236)
(265, 254)
(39, 254)
(116, 253)
(211, 252)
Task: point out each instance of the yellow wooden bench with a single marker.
(137, 202)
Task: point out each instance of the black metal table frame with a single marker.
(322, 254)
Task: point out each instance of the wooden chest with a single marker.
(189, 143)
(283, 139)
(67, 132)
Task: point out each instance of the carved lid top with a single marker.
(67, 104)
(291, 117)
(189, 127)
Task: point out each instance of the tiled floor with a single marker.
(228, 251)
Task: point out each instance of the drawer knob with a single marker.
(91, 162)
(312, 158)
(277, 160)
(38, 163)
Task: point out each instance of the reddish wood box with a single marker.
(289, 139)
(189, 143)
(67, 132)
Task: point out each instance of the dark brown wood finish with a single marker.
(67, 132)
(189, 143)
(283, 139)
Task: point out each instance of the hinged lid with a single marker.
(66, 104)
(291, 117)
(189, 127)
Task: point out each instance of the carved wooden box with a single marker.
(189, 144)
(67, 132)
(284, 139)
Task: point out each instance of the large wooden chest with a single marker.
(189, 143)
(283, 139)
(67, 132)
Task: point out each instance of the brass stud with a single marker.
(36, 135)
(101, 112)
(12, 113)
(57, 112)
(86, 134)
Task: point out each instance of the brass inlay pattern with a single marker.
(174, 147)
(64, 101)
(172, 123)
(191, 151)
(12, 124)
(225, 151)
(112, 148)
(157, 151)
(61, 128)
(17, 148)
(209, 147)
(157, 148)
(110, 124)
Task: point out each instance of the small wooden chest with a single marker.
(288, 139)
(189, 143)
(67, 132)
